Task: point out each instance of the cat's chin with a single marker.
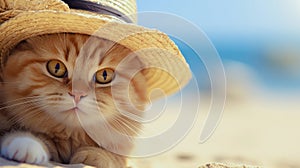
(74, 117)
(69, 118)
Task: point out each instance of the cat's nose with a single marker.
(77, 95)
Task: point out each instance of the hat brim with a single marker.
(168, 70)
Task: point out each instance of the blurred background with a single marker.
(262, 35)
(259, 45)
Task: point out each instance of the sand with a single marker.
(259, 128)
(259, 132)
(9, 164)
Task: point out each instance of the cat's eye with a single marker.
(104, 76)
(56, 68)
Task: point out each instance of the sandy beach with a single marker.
(259, 127)
(255, 132)
(259, 132)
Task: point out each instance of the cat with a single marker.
(52, 88)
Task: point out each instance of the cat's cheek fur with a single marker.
(42, 104)
(24, 147)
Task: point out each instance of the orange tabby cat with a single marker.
(52, 87)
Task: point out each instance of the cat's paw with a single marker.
(24, 149)
(98, 157)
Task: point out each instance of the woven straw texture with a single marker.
(21, 19)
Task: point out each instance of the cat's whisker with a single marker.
(107, 129)
(130, 104)
(121, 127)
(123, 124)
(126, 130)
(91, 102)
(27, 114)
(19, 104)
(21, 99)
(24, 113)
(14, 82)
(135, 129)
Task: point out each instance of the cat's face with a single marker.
(59, 77)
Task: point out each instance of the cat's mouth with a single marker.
(73, 110)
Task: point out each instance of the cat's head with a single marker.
(60, 76)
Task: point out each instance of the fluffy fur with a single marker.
(40, 120)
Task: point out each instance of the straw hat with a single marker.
(111, 19)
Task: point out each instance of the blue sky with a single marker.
(241, 30)
(234, 17)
